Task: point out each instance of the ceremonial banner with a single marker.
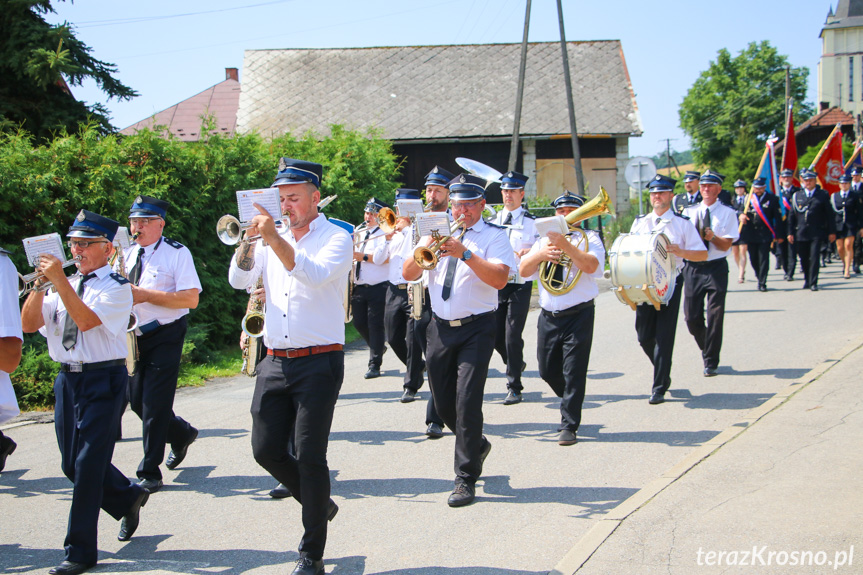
(828, 163)
(789, 149)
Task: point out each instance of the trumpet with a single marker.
(387, 220)
(230, 230)
(426, 257)
(30, 282)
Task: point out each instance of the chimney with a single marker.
(824, 106)
(232, 74)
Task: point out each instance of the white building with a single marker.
(840, 70)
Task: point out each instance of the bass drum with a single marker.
(642, 270)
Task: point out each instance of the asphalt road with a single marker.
(536, 501)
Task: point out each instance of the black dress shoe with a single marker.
(372, 373)
(177, 455)
(7, 448)
(805, 285)
(434, 431)
(856, 269)
(512, 397)
(656, 399)
(280, 491)
(129, 524)
(814, 288)
(462, 495)
(151, 485)
(408, 396)
(306, 566)
(332, 510)
(70, 568)
(709, 371)
(762, 288)
(567, 437)
(789, 278)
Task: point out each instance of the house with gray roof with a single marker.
(439, 102)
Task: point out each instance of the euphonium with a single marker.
(28, 283)
(426, 257)
(547, 270)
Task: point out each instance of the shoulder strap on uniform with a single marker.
(118, 278)
(173, 243)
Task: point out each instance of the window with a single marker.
(851, 79)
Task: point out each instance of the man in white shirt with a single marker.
(10, 348)
(304, 269)
(368, 299)
(165, 287)
(463, 289)
(656, 329)
(708, 280)
(513, 302)
(565, 326)
(85, 327)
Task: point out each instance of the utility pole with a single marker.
(668, 155)
(516, 125)
(576, 154)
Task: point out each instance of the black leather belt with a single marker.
(462, 321)
(568, 311)
(704, 264)
(79, 367)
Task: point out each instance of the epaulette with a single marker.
(495, 225)
(118, 278)
(680, 215)
(529, 215)
(173, 243)
(7, 252)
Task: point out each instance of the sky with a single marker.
(169, 51)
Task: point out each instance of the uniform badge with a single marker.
(435, 171)
(139, 200)
(282, 165)
(81, 217)
(461, 179)
(509, 174)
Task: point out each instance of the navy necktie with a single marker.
(135, 273)
(508, 220)
(70, 330)
(360, 263)
(447, 280)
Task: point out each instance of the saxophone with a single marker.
(416, 292)
(253, 329)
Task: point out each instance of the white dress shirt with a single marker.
(519, 239)
(10, 326)
(166, 267)
(586, 288)
(304, 306)
(110, 300)
(679, 230)
(723, 222)
(394, 250)
(372, 273)
(470, 295)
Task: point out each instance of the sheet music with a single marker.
(122, 239)
(409, 208)
(426, 222)
(46, 244)
(268, 198)
(551, 224)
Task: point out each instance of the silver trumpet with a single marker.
(30, 282)
(230, 230)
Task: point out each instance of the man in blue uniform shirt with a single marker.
(85, 326)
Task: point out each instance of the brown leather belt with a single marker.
(305, 351)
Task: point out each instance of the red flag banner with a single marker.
(829, 165)
(789, 148)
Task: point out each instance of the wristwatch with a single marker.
(466, 255)
(365, 257)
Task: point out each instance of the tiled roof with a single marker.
(437, 92)
(183, 120)
(829, 117)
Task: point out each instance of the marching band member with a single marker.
(857, 186)
(11, 339)
(165, 287)
(370, 287)
(762, 226)
(304, 268)
(709, 279)
(85, 323)
(513, 302)
(463, 289)
(809, 224)
(847, 212)
(437, 200)
(565, 326)
(397, 314)
(656, 328)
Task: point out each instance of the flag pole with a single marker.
(752, 187)
(857, 147)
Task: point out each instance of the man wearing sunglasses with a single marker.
(165, 286)
(463, 289)
(85, 322)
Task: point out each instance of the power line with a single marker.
(139, 19)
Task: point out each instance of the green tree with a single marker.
(38, 62)
(742, 92)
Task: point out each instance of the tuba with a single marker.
(561, 284)
(426, 257)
